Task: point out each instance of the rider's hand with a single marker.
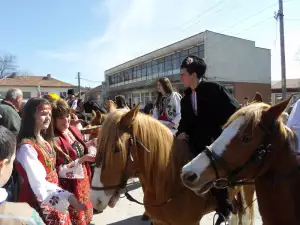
(75, 120)
(86, 158)
(183, 136)
(75, 203)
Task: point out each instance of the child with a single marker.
(12, 213)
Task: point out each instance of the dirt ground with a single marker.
(129, 213)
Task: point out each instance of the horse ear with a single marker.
(99, 114)
(93, 113)
(257, 97)
(273, 113)
(129, 117)
(111, 106)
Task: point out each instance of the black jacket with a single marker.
(215, 105)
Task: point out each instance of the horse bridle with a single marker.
(231, 180)
(133, 142)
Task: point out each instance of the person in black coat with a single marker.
(205, 108)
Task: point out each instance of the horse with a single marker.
(255, 144)
(132, 144)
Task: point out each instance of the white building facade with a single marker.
(236, 63)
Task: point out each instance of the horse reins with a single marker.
(133, 141)
(231, 180)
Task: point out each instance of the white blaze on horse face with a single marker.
(199, 164)
(99, 199)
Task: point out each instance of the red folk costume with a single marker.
(39, 183)
(69, 148)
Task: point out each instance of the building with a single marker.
(30, 85)
(236, 63)
(292, 88)
(94, 93)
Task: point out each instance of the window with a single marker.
(144, 70)
(194, 51)
(63, 93)
(44, 93)
(154, 69)
(134, 73)
(26, 94)
(138, 72)
(201, 51)
(127, 75)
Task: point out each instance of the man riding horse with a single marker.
(205, 108)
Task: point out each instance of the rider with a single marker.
(205, 108)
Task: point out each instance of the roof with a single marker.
(33, 81)
(290, 83)
(96, 89)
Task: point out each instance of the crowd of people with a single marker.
(53, 163)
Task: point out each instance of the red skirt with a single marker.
(50, 215)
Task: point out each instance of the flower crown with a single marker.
(189, 60)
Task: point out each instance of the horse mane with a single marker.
(253, 114)
(161, 166)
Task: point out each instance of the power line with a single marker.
(91, 80)
(199, 15)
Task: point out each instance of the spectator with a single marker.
(9, 109)
(8, 213)
(120, 102)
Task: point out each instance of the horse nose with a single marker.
(190, 177)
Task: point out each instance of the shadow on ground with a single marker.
(136, 220)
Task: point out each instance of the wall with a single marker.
(242, 90)
(34, 91)
(237, 60)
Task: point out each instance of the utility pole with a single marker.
(282, 49)
(79, 89)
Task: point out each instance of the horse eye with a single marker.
(246, 138)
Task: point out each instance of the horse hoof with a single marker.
(145, 218)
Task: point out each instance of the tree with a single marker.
(8, 64)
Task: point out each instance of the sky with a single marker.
(63, 37)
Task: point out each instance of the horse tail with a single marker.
(243, 207)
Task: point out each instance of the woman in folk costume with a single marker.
(167, 106)
(294, 121)
(72, 151)
(36, 165)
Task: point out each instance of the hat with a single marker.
(71, 92)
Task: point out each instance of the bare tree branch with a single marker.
(8, 64)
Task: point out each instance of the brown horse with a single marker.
(134, 144)
(254, 144)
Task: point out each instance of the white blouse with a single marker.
(173, 102)
(45, 191)
(294, 121)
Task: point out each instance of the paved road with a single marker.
(128, 213)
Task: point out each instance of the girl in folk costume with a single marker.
(120, 102)
(36, 165)
(294, 121)
(167, 106)
(72, 151)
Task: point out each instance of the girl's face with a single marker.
(159, 87)
(43, 117)
(63, 123)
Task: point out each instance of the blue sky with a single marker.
(63, 37)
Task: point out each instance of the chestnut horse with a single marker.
(254, 144)
(134, 144)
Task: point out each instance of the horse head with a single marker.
(130, 144)
(97, 118)
(249, 145)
